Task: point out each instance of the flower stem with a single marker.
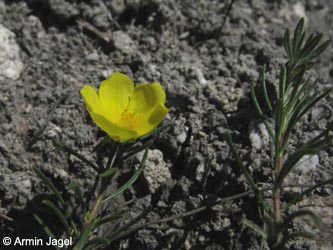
(96, 207)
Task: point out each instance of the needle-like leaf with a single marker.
(287, 47)
(84, 237)
(310, 45)
(300, 110)
(291, 163)
(301, 195)
(109, 172)
(300, 213)
(247, 175)
(50, 185)
(258, 109)
(283, 79)
(132, 180)
(298, 37)
(75, 153)
(78, 193)
(254, 227)
(301, 234)
(46, 229)
(264, 89)
(318, 51)
(60, 215)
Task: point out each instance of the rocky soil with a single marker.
(204, 54)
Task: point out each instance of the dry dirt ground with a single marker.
(205, 58)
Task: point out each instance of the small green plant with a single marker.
(297, 93)
(129, 115)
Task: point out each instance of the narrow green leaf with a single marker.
(258, 109)
(300, 110)
(109, 172)
(291, 162)
(308, 87)
(314, 146)
(294, 79)
(130, 181)
(74, 227)
(75, 153)
(254, 227)
(116, 234)
(49, 184)
(46, 229)
(247, 174)
(301, 234)
(307, 104)
(311, 36)
(84, 237)
(138, 149)
(106, 140)
(300, 196)
(60, 215)
(111, 218)
(296, 76)
(298, 36)
(264, 89)
(298, 49)
(310, 45)
(78, 194)
(96, 243)
(293, 87)
(283, 79)
(286, 45)
(318, 51)
(254, 99)
(319, 137)
(269, 129)
(322, 144)
(279, 115)
(300, 213)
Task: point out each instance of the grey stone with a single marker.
(156, 171)
(11, 65)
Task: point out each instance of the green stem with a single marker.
(276, 198)
(89, 223)
(277, 191)
(96, 207)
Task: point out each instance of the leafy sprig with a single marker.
(297, 94)
(81, 222)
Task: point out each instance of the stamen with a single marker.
(128, 119)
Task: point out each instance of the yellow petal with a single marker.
(91, 99)
(152, 120)
(159, 112)
(145, 97)
(115, 132)
(114, 94)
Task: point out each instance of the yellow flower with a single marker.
(123, 111)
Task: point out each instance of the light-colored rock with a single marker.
(258, 135)
(299, 10)
(200, 76)
(306, 164)
(11, 65)
(156, 170)
(123, 41)
(54, 131)
(200, 171)
(118, 6)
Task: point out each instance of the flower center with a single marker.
(128, 120)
